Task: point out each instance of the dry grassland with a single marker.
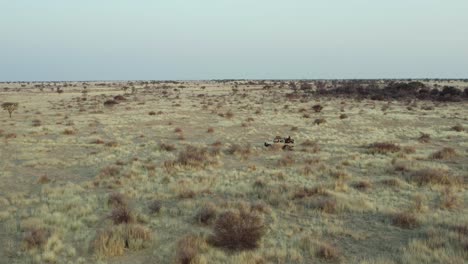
(170, 174)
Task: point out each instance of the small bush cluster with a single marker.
(383, 148)
(238, 230)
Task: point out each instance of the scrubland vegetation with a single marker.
(177, 172)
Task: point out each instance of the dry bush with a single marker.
(69, 132)
(10, 135)
(449, 200)
(111, 144)
(110, 171)
(122, 215)
(229, 114)
(36, 237)
(305, 115)
(433, 176)
(319, 121)
(294, 128)
(409, 149)
(444, 154)
(405, 220)
(114, 240)
(195, 157)
(188, 248)
(155, 206)
(325, 204)
(109, 242)
(119, 98)
(178, 130)
(152, 113)
(167, 147)
(328, 253)
(286, 160)
(383, 148)
(317, 108)
(340, 174)
(309, 192)
(343, 116)
(362, 185)
(97, 141)
(110, 102)
(117, 200)
(210, 130)
(424, 138)
(43, 179)
(36, 122)
(186, 193)
(238, 230)
(242, 150)
(458, 128)
(391, 182)
(207, 214)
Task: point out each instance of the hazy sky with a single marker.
(214, 39)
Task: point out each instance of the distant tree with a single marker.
(10, 107)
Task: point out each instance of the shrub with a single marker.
(36, 122)
(362, 185)
(458, 128)
(405, 220)
(449, 200)
(286, 160)
(432, 176)
(188, 248)
(110, 102)
(238, 230)
(122, 215)
(444, 154)
(152, 113)
(155, 206)
(110, 171)
(343, 116)
(69, 132)
(207, 214)
(319, 121)
(229, 114)
(244, 150)
(195, 157)
(117, 200)
(391, 182)
(36, 237)
(167, 147)
(383, 148)
(113, 241)
(119, 98)
(424, 138)
(317, 108)
(326, 204)
(308, 192)
(43, 179)
(328, 253)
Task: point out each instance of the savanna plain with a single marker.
(190, 172)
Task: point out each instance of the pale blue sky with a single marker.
(214, 39)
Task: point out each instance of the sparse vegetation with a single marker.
(164, 165)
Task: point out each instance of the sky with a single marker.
(232, 39)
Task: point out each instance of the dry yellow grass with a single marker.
(169, 174)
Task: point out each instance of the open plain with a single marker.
(178, 172)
